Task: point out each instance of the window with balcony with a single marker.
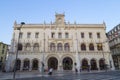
(59, 35)
(98, 35)
(1, 59)
(28, 35)
(82, 35)
(66, 35)
(36, 47)
(52, 47)
(83, 46)
(99, 47)
(36, 35)
(52, 35)
(91, 46)
(21, 35)
(20, 47)
(59, 47)
(90, 35)
(28, 47)
(66, 47)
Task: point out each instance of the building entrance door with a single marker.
(52, 63)
(102, 64)
(67, 63)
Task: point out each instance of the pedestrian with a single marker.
(50, 71)
(88, 68)
(76, 70)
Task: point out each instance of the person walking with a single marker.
(50, 71)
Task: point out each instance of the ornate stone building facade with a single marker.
(3, 55)
(114, 43)
(60, 45)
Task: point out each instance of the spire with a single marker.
(15, 23)
(74, 22)
(104, 23)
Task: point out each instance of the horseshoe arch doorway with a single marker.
(67, 63)
(52, 63)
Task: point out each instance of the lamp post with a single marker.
(16, 56)
(42, 63)
(100, 48)
(77, 64)
(105, 65)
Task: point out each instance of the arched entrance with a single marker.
(26, 64)
(93, 64)
(84, 64)
(18, 63)
(52, 63)
(102, 64)
(67, 63)
(35, 64)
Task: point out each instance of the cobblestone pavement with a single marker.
(110, 75)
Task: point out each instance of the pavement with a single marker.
(56, 74)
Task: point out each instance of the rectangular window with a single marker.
(90, 35)
(36, 35)
(66, 35)
(1, 58)
(52, 35)
(82, 35)
(59, 35)
(98, 35)
(2, 51)
(28, 35)
(21, 35)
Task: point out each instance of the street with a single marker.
(110, 75)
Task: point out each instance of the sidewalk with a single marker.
(9, 75)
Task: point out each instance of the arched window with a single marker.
(83, 46)
(91, 46)
(99, 46)
(28, 46)
(59, 46)
(52, 47)
(20, 47)
(66, 47)
(36, 47)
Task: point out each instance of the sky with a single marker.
(38, 11)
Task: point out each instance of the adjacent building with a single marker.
(60, 45)
(3, 53)
(114, 43)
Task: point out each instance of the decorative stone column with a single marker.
(30, 67)
(98, 66)
(40, 66)
(21, 66)
(60, 67)
(89, 65)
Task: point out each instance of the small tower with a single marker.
(60, 19)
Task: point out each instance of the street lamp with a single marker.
(15, 65)
(77, 64)
(105, 65)
(100, 48)
(42, 63)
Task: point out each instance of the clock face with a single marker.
(59, 20)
